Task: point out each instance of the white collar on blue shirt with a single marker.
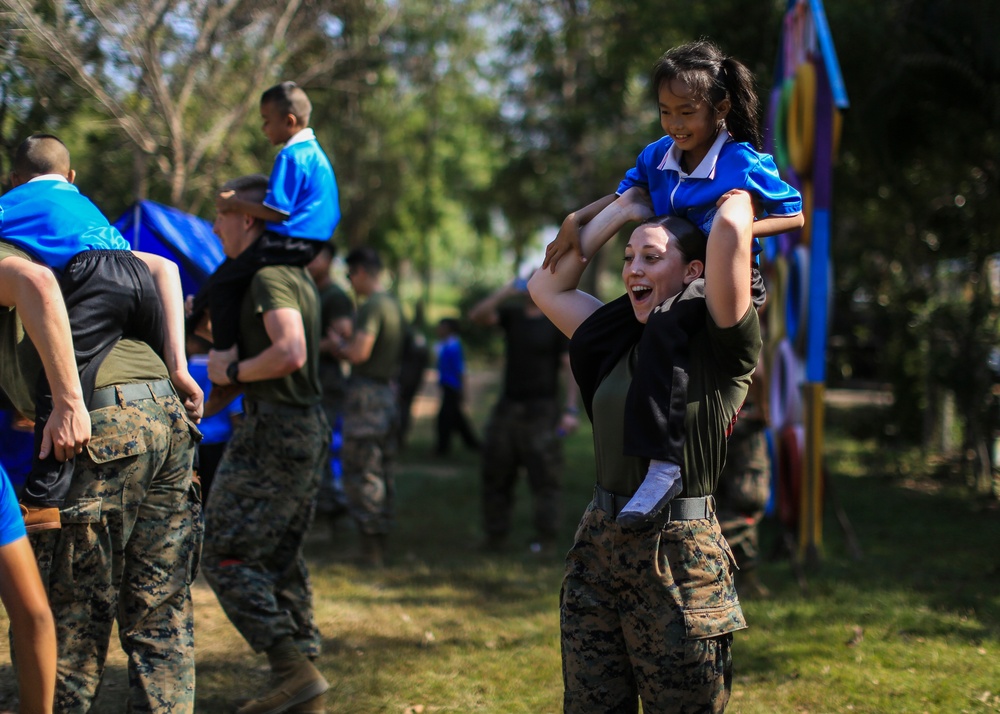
(300, 136)
(49, 177)
(706, 169)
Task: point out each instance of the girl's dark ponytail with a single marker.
(743, 121)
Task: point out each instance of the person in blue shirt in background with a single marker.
(451, 377)
(301, 210)
(709, 112)
(215, 429)
(16, 442)
(23, 596)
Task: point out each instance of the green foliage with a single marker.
(461, 133)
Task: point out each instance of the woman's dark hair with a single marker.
(713, 77)
(690, 240)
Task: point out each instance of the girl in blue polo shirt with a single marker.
(709, 111)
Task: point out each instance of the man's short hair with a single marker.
(248, 188)
(364, 257)
(289, 98)
(41, 154)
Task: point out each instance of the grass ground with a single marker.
(912, 627)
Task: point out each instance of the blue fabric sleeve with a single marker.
(283, 188)
(777, 197)
(11, 522)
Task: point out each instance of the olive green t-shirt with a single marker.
(273, 288)
(381, 316)
(19, 363)
(722, 362)
(129, 361)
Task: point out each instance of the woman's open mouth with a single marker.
(641, 293)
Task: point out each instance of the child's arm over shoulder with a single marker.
(780, 200)
(567, 240)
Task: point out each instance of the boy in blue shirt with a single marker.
(300, 211)
(451, 377)
(109, 291)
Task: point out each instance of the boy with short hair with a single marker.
(300, 211)
(110, 294)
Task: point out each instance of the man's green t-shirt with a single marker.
(722, 363)
(129, 361)
(277, 287)
(381, 316)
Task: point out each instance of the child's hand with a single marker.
(225, 201)
(729, 194)
(567, 241)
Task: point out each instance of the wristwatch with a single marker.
(233, 371)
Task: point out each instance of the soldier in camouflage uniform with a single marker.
(371, 412)
(528, 422)
(337, 320)
(265, 488)
(745, 486)
(130, 540)
(648, 612)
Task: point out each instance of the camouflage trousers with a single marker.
(261, 508)
(522, 434)
(648, 613)
(371, 422)
(743, 492)
(128, 549)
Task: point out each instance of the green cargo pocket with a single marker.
(705, 623)
(104, 449)
(85, 510)
(81, 566)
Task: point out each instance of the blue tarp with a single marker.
(183, 238)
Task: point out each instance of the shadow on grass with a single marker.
(930, 550)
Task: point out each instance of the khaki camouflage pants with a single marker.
(648, 613)
(262, 505)
(522, 434)
(371, 421)
(128, 549)
(743, 492)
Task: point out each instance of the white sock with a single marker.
(661, 485)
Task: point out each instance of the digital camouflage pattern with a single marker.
(262, 504)
(648, 613)
(744, 489)
(129, 547)
(522, 434)
(371, 421)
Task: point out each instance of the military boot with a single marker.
(294, 682)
